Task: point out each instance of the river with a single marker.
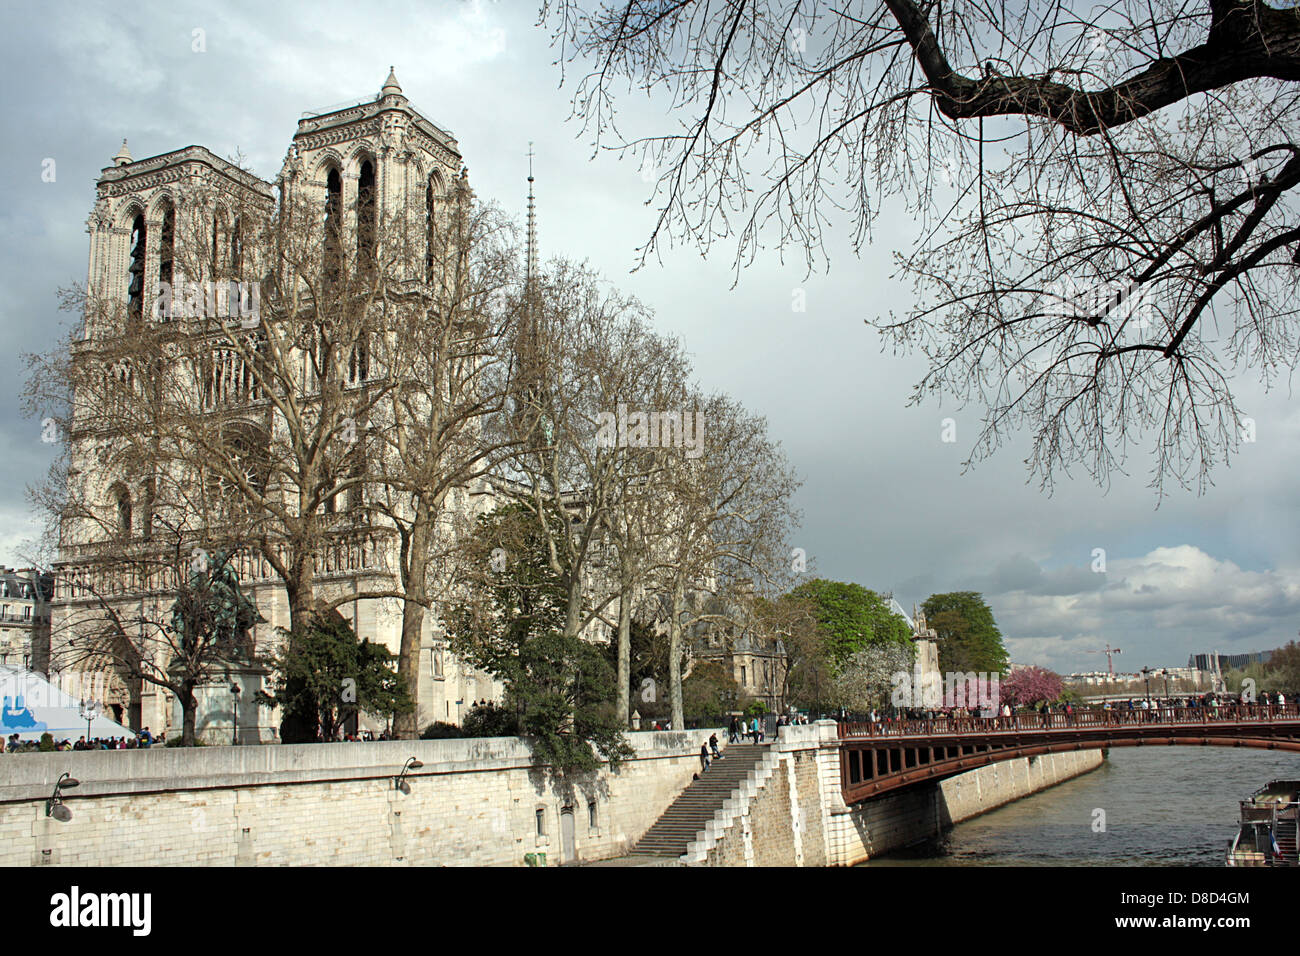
(1164, 806)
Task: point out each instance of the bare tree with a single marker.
(244, 416)
(1105, 194)
(634, 521)
(727, 513)
(804, 677)
(455, 372)
(585, 350)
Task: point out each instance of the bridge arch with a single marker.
(881, 758)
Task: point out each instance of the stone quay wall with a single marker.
(791, 811)
(473, 802)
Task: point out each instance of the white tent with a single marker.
(33, 706)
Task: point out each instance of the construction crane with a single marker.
(898, 609)
(1109, 652)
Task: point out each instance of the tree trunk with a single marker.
(303, 725)
(675, 658)
(406, 726)
(624, 656)
(189, 714)
(573, 613)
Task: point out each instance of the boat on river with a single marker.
(1270, 827)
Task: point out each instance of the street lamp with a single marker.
(54, 806)
(400, 783)
(1146, 673)
(234, 726)
(89, 711)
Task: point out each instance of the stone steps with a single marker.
(697, 805)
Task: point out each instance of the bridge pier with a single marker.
(794, 812)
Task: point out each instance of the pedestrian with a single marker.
(713, 745)
(733, 730)
(704, 757)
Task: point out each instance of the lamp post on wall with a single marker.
(234, 724)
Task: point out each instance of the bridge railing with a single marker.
(1161, 715)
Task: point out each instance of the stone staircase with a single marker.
(698, 804)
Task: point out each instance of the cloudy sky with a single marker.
(885, 501)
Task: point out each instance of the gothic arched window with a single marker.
(218, 230)
(333, 225)
(148, 493)
(236, 259)
(431, 191)
(366, 224)
(359, 361)
(122, 499)
(135, 271)
(167, 246)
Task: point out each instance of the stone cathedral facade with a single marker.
(381, 153)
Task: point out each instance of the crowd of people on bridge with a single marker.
(1066, 713)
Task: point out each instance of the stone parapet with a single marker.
(473, 802)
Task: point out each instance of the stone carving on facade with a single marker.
(393, 133)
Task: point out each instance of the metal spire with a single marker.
(531, 273)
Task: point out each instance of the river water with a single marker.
(1164, 806)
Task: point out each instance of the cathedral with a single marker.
(358, 164)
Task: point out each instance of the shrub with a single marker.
(490, 720)
(438, 730)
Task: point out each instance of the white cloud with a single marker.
(1160, 607)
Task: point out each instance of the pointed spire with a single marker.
(532, 336)
(123, 155)
(391, 86)
(531, 274)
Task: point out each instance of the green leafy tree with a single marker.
(969, 640)
(439, 730)
(509, 591)
(648, 669)
(1282, 673)
(490, 719)
(324, 676)
(851, 618)
(510, 621)
(564, 690)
